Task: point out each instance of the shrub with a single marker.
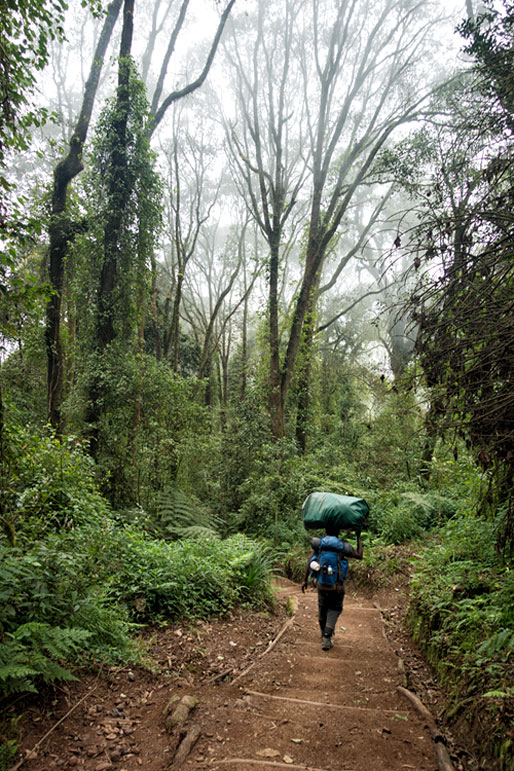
(380, 563)
(399, 516)
(193, 578)
(462, 614)
(251, 571)
(72, 595)
(399, 526)
(293, 561)
(49, 615)
(48, 486)
(51, 610)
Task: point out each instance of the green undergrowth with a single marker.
(292, 562)
(382, 564)
(82, 594)
(77, 582)
(461, 613)
(192, 578)
(403, 515)
(8, 750)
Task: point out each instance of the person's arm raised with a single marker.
(349, 551)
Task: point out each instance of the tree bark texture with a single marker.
(60, 230)
(304, 378)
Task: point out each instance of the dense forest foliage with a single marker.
(291, 270)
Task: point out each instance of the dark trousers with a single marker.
(330, 605)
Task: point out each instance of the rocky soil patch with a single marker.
(115, 718)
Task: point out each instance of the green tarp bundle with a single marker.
(342, 511)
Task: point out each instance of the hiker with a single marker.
(329, 562)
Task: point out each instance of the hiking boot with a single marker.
(326, 643)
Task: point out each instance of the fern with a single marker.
(57, 641)
(16, 669)
(194, 531)
(501, 641)
(8, 750)
(180, 516)
(428, 509)
(32, 653)
(252, 569)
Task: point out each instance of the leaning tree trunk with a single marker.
(244, 343)
(61, 230)
(304, 306)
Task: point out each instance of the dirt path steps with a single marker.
(303, 708)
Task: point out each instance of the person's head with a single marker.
(332, 530)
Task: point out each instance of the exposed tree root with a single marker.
(443, 758)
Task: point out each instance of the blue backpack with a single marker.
(333, 567)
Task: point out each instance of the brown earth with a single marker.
(263, 703)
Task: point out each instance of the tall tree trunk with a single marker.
(119, 188)
(304, 381)
(166, 324)
(154, 306)
(5, 520)
(175, 323)
(223, 384)
(60, 229)
(207, 375)
(304, 307)
(138, 394)
(244, 342)
(425, 469)
(276, 401)
(118, 194)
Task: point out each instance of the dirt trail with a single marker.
(294, 706)
(303, 708)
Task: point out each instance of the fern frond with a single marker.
(16, 671)
(33, 652)
(419, 500)
(180, 516)
(193, 531)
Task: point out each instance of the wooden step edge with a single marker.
(310, 703)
